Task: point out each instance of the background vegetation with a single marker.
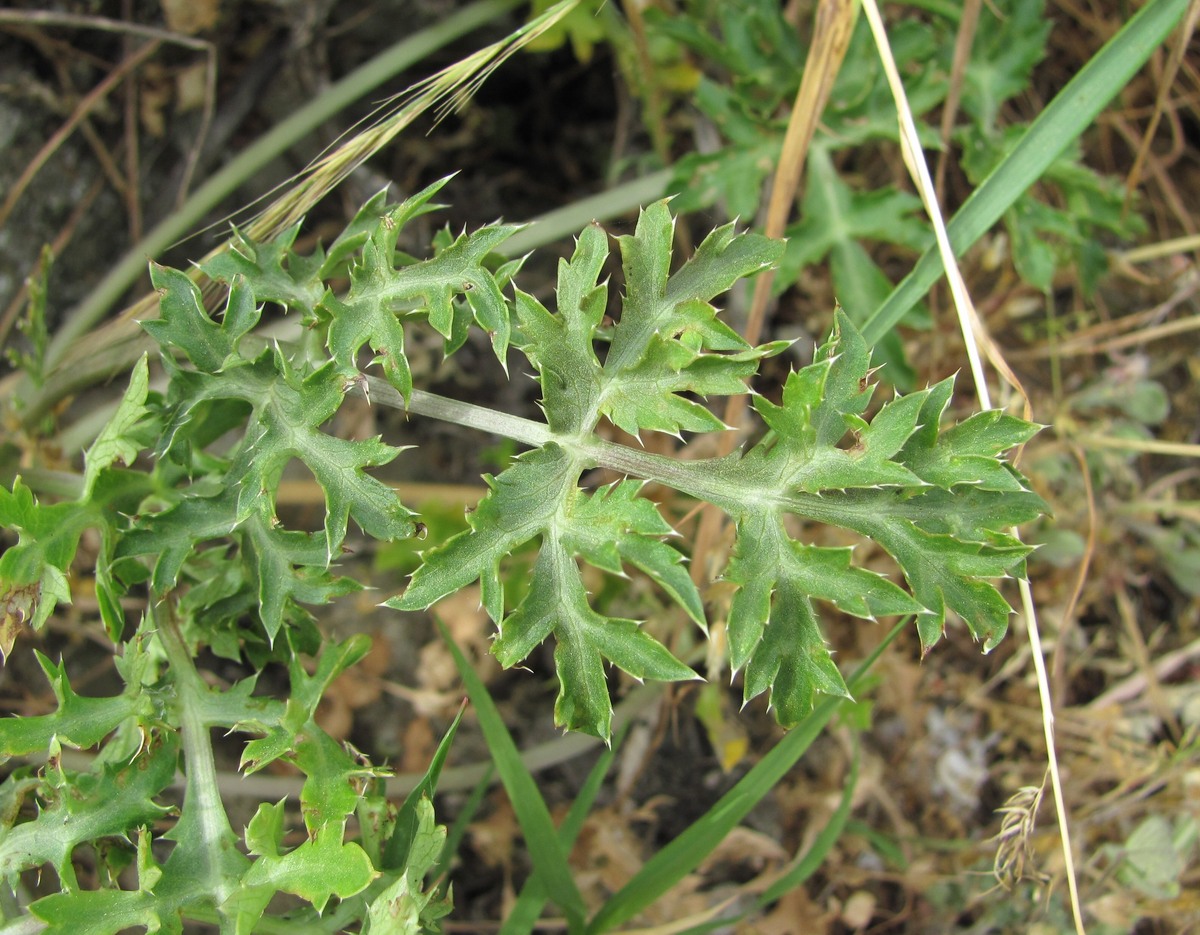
(124, 136)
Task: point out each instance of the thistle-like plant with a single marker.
(194, 528)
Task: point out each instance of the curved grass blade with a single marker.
(525, 913)
(548, 855)
(805, 865)
(396, 854)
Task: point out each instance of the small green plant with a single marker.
(196, 530)
(175, 513)
(1059, 225)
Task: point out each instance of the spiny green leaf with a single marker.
(278, 565)
(286, 736)
(966, 453)
(949, 573)
(115, 443)
(272, 270)
(82, 807)
(937, 500)
(560, 346)
(287, 410)
(333, 780)
(184, 324)
(101, 912)
(556, 603)
(265, 831)
(78, 722)
(380, 292)
(33, 575)
(317, 870)
(772, 625)
(520, 505)
(616, 524)
(537, 496)
(668, 340)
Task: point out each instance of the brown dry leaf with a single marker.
(155, 90)
(795, 913)
(191, 16)
(494, 838)
(17, 604)
(607, 853)
(191, 87)
(746, 848)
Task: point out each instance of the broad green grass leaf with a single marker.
(524, 915)
(407, 827)
(803, 865)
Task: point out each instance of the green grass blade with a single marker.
(528, 909)
(395, 855)
(547, 853)
(1064, 119)
(805, 865)
(689, 849)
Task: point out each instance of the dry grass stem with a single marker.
(973, 332)
(832, 30)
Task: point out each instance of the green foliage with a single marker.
(755, 53)
(197, 530)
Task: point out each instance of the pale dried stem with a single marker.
(973, 335)
(831, 36)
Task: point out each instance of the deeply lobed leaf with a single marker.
(537, 497)
(937, 500)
